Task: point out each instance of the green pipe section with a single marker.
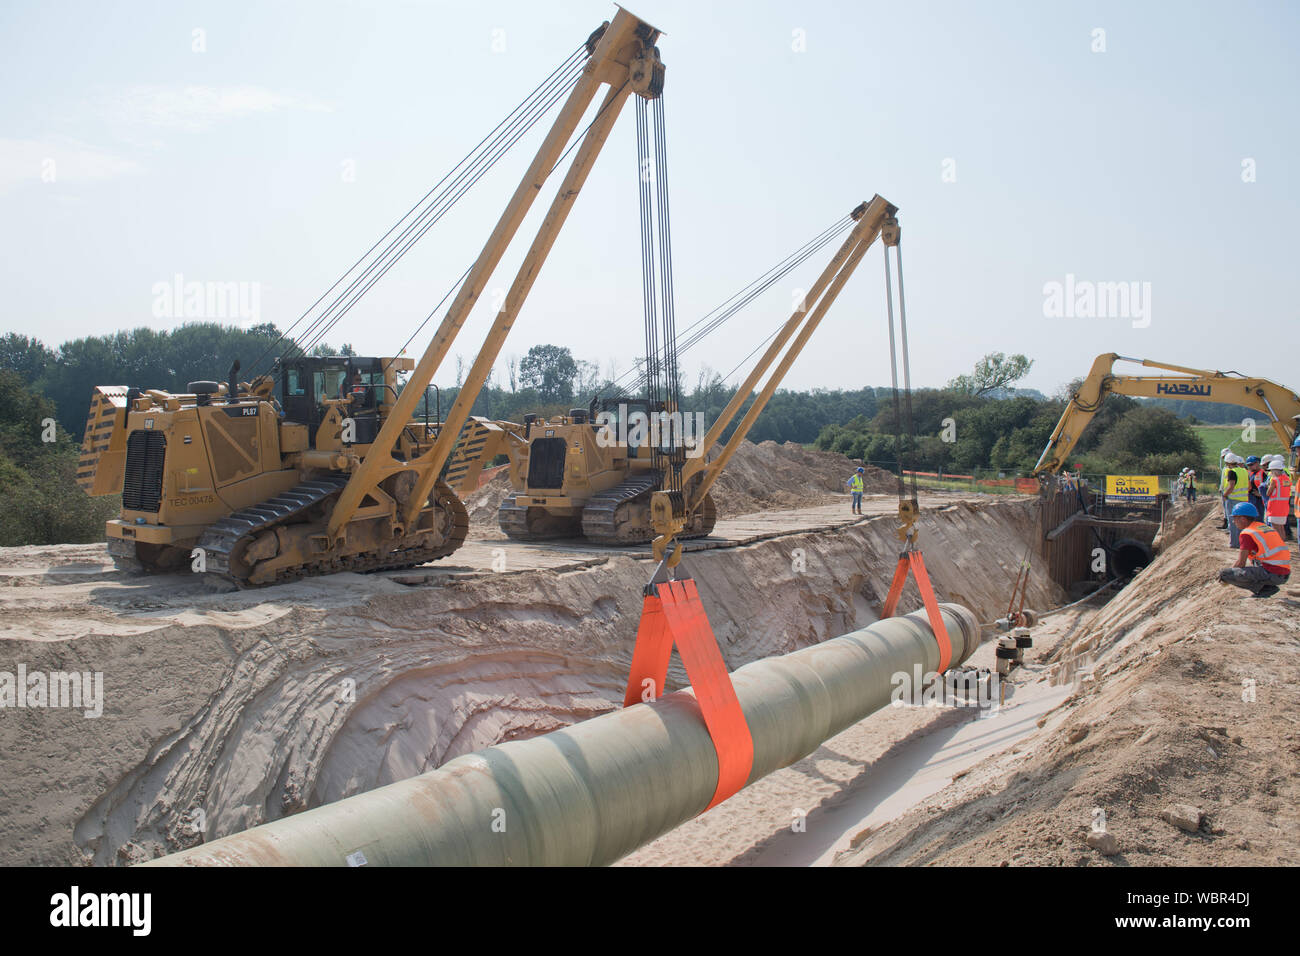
(594, 792)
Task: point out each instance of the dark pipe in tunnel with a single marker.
(1127, 557)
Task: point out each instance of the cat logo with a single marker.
(148, 423)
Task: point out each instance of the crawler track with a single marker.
(226, 537)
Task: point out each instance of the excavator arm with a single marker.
(1280, 405)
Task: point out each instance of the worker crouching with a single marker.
(1264, 561)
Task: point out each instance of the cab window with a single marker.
(328, 382)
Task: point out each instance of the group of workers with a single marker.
(1259, 505)
(1252, 489)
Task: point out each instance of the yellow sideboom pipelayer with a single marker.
(254, 488)
(571, 476)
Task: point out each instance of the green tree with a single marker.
(1149, 438)
(26, 356)
(43, 503)
(551, 370)
(994, 372)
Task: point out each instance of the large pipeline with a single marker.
(594, 792)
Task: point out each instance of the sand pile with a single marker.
(774, 477)
(483, 502)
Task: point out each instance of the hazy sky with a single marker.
(1022, 142)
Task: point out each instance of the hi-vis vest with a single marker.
(1279, 502)
(1270, 548)
(1241, 491)
(855, 483)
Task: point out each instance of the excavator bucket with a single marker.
(103, 449)
(480, 442)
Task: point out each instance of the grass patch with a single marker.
(1217, 437)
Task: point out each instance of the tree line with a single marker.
(978, 421)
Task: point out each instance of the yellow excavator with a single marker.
(1280, 405)
(334, 470)
(602, 474)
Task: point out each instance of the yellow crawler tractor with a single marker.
(573, 477)
(238, 481)
(334, 469)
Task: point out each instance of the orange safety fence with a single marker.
(1025, 486)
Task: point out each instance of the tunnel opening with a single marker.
(1128, 557)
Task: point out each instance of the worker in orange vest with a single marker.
(1264, 561)
(1277, 492)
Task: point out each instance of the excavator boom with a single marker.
(1279, 404)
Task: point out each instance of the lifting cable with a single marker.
(464, 275)
(432, 206)
(434, 212)
(663, 385)
(698, 330)
(903, 419)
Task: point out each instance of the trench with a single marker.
(321, 690)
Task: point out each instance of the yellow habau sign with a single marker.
(1132, 487)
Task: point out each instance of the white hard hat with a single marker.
(1276, 465)
(1224, 453)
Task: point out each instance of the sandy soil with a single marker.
(1182, 691)
(235, 709)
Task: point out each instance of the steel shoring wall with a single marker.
(594, 792)
(1068, 557)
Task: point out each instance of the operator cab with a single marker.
(619, 414)
(306, 383)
